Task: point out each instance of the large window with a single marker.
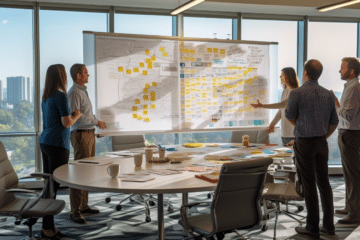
(17, 87)
(61, 41)
(143, 24)
(197, 27)
(329, 43)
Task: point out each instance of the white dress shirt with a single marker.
(349, 110)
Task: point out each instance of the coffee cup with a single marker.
(148, 154)
(138, 158)
(113, 170)
(161, 153)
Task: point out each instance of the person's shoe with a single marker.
(349, 220)
(342, 211)
(49, 234)
(90, 211)
(327, 232)
(304, 231)
(76, 217)
(59, 234)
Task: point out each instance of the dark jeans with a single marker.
(53, 157)
(312, 156)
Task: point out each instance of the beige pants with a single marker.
(84, 147)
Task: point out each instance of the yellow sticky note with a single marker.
(148, 60)
(162, 49)
(152, 106)
(147, 119)
(165, 54)
(120, 69)
(145, 73)
(186, 50)
(136, 69)
(146, 97)
(145, 112)
(141, 64)
(153, 58)
(137, 101)
(154, 84)
(134, 115)
(153, 99)
(139, 117)
(192, 51)
(147, 85)
(216, 50)
(146, 90)
(145, 106)
(150, 66)
(134, 108)
(209, 50)
(128, 71)
(147, 52)
(152, 94)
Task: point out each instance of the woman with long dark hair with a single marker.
(289, 81)
(55, 137)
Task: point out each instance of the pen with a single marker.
(88, 162)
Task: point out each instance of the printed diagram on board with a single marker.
(218, 82)
(141, 83)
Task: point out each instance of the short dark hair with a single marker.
(75, 69)
(313, 69)
(353, 63)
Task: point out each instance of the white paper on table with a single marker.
(84, 162)
(138, 179)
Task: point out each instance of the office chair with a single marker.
(234, 206)
(125, 142)
(283, 192)
(28, 209)
(255, 136)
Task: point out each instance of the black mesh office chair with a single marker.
(236, 202)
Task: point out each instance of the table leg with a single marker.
(161, 216)
(185, 199)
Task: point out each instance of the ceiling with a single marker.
(287, 7)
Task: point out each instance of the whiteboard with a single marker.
(168, 84)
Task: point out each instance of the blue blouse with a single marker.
(54, 133)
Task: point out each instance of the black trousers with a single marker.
(312, 155)
(53, 157)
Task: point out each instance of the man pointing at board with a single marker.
(82, 136)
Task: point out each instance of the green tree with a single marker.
(6, 117)
(23, 111)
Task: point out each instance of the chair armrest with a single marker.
(42, 175)
(183, 214)
(190, 205)
(25, 191)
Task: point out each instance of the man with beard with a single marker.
(348, 111)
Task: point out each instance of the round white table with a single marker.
(95, 178)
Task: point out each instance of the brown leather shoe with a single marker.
(76, 217)
(349, 220)
(342, 211)
(90, 211)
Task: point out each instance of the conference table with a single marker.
(94, 177)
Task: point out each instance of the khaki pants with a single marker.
(84, 147)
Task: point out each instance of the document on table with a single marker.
(163, 171)
(137, 179)
(92, 163)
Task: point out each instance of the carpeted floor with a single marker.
(130, 224)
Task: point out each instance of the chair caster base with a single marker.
(118, 207)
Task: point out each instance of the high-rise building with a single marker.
(1, 92)
(17, 90)
(28, 90)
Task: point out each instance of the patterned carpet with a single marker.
(130, 224)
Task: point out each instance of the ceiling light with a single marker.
(186, 6)
(337, 5)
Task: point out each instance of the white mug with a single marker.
(138, 158)
(113, 170)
